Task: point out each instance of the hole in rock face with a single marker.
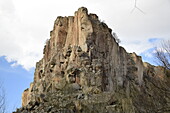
(113, 103)
(72, 78)
(82, 28)
(41, 71)
(61, 62)
(68, 54)
(79, 49)
(53, 64)
(62, 72)
(51, 70)
(40, 74)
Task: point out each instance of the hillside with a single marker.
(84, 70)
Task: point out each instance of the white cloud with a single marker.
(26, 24)
(19, 41)
(150, 55)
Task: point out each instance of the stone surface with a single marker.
(84, 70)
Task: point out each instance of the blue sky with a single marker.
(14, 81)
(25, 25)
(148, 55)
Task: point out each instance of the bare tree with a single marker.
(116, 37)
(163, 54)
(2, 100)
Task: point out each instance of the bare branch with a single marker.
(116, 38)
(163, 54)
(2, 100)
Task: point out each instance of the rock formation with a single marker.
(84, 70)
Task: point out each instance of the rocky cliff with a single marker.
(84, 70)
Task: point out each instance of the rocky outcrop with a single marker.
(84, 70)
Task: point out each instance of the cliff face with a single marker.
(84, 70)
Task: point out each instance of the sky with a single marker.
(25, 25)
(14, 82)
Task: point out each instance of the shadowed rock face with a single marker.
(84, 70)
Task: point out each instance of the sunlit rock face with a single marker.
(84, 70)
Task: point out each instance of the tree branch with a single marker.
(163, 54)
